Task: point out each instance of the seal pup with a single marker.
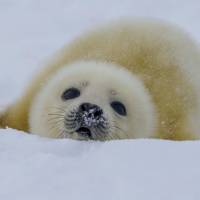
(128, 79)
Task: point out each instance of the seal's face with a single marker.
(90, 100)
(86, 119)
(87, 110)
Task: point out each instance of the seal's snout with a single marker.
(91, 118)
(91, 112)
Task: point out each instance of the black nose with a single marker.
(91, 109)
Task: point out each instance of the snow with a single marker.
(40, 168)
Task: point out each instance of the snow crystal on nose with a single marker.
(89, 119)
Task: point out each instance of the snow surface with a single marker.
(34, 168)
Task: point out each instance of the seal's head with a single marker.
(93, 100)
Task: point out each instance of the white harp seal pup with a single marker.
(128, 79)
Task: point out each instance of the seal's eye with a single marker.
(70, 93)
(118, 107)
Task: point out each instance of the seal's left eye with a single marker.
(71, 93)
(119, 108)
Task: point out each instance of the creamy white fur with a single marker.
(161, 87)
(100, 83)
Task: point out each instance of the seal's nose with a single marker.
(92, 110)
(91, 120)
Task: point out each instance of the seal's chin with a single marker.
(85, 132)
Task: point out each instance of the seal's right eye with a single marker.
(70, 93)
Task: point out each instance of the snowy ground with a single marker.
(33, 168)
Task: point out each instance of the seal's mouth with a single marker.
(84, 131)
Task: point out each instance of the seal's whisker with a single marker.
(56, 115)
(57, 112)
(55, 128)
(96, 133)
(55, 118)
(109, 135)
(54, 123)
(100, 134)
(114, 133)
(61, 134)
(102, 130)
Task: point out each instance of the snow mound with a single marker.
(48, 169)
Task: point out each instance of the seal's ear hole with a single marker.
(70, 93)
(118, 107)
